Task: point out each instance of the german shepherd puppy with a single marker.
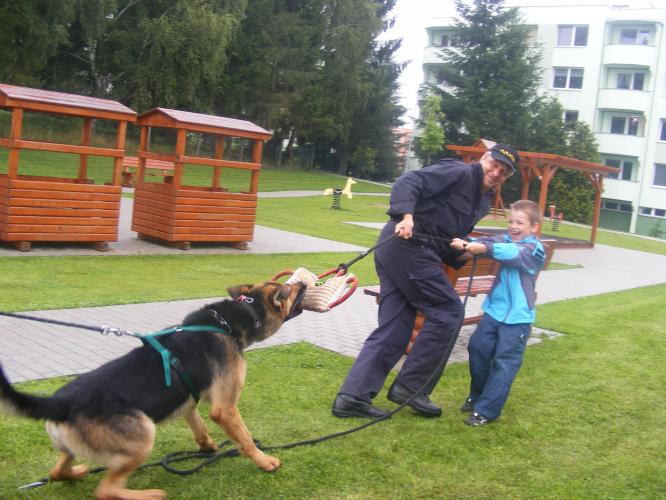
(108, 415)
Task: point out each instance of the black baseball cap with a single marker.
(506, 154)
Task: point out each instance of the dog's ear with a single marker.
(281, 295)
(237, 291)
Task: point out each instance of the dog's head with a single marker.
(273, 302)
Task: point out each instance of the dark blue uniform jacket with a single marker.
(445, 200)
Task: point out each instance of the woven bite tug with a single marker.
(320, 296)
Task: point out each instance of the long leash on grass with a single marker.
(208, 458)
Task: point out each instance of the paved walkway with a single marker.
(32, 350)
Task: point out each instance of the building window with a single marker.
(626, 125)
(659, 175)
(568, 35)
(633, 81)
(617, 206)
(626, 168)
(645, 211)
(634, 36)
(659, 212)
(570, 116)
(662, 136)
(568, 78)
(443, 39)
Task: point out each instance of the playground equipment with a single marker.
(337, 193)
(58, 208)
(167, 209)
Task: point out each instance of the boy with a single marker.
(497, 346)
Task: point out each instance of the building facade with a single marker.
(606, 63)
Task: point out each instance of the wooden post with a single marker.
(525, 190)
(256, 158)
(181, 138)
(598, 183)
(121, 133)
(15, 134)
(548, 173)
(85, 141)
(143, 148)
(219, 153)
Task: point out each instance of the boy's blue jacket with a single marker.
(512, 296)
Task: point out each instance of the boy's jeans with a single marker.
(495, 355)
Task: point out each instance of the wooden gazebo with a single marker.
(55, 208)
(171, 211)
(542, 166)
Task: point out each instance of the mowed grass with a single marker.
(100, 169)
(584, 420)
(314, 217)
(66, 282)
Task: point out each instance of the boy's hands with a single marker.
(468, 246)
(458, 244)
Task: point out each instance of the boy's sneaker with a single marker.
(477, 420)
(467, 406)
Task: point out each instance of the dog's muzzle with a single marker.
(296, 308)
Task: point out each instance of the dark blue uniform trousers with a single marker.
(411, 279)
(495, 355)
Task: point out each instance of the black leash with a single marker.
(104, 329)
(346, 265)
(208, 458)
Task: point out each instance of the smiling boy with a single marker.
(497, 346)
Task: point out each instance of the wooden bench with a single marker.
(162, 168)
(482, 282)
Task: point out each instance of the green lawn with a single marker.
(314, 216)
(584, 420)
(68, 282)
(270, 179)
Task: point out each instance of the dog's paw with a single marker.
(266, 462)
(75, 473)
(207, 445)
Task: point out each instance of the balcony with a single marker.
(630, 100)
(620, 190)
(620, 144)
(433, 55)
(630, 55)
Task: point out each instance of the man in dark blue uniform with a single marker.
(444, 200)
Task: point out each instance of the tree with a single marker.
(30, 35)
(432, 139)
(170, 53)
(373, 137)
(274, 65)
(570, 190)
(490, 78)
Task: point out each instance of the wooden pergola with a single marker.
(542, 166)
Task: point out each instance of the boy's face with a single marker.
(520, 226)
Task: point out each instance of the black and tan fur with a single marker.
(108, 415)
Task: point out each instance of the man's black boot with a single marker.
(399, 393)
(349, 406)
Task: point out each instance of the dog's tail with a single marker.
(26, 405)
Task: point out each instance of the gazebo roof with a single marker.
(198, 122)
(532, 158)
(50, 101)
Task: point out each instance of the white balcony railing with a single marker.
(634, 55)
(630, 100)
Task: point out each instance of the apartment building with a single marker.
(606, 63)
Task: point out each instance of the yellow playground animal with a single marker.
(347, 189)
